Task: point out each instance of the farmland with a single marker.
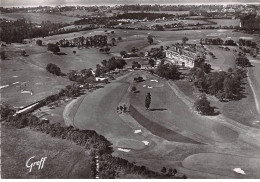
(39, 17)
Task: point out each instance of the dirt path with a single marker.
(254, 92)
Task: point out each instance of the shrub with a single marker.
(54, 69)
(39, 42)
(53, 48)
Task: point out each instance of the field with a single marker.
(153, 23)
(166, 12)
(64, 159)
(78, 13)
(39, 17)
(226, 22)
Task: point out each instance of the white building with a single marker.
(181, 57)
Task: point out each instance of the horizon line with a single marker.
(176, 4)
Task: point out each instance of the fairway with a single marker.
(108, 123)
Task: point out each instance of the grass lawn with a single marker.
(224, 59)
(64, 159)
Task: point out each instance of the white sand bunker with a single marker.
(239, 170)
(14, 76)
(15, 83)
(124, 150)
(26, 92)
(214, 34)
(221, 30)
(154, 81)
(138, 131)
(144, 85)
(149, 87)
(247, 38)
(145, 142)
(3, 86)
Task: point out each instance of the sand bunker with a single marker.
(138, 131)
(154, 81)
(14, 76)
(239, 170)
(15, 83)
(26, 92)
(145, 142)
(144, 85)
(214, 34)
(3, 86)
(221, 30)
(124, 150)
(247, 38)
(149, 87)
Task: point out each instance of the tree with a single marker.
(184, 40)
(168, 71)
(243, 61)
(6, 111)
(119, 38)
(152, 62)
(74, 52)
(113, 40)
(3, 55)
(39, 42)
(104, 63)
(53, 48)
(150, 39)
(54, 69)
(203, 105)
(123, 53)
(107, 49)
(23, 53)
(133, 89)
(174, 172)
(164, 170)
(148, 101)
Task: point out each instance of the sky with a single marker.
(4, 3)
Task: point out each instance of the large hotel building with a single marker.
(182, 56)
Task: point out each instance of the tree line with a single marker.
(224, 85)
(18, 30)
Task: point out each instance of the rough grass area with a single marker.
(64, 159)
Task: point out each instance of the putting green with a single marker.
(223, 164)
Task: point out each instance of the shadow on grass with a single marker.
(158, 129)
(60, 53)
(162, 109)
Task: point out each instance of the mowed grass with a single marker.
(98, 112)
(39, 17)
(168, 110)
(64, 159)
